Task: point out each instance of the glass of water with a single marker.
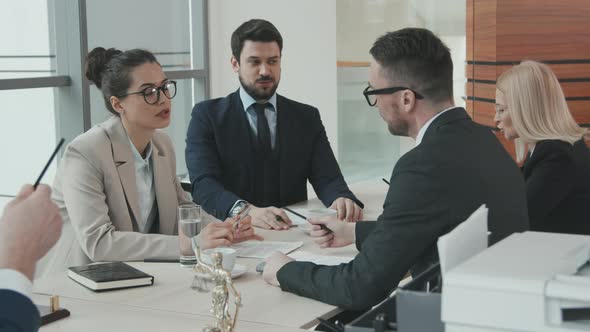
(189, 226)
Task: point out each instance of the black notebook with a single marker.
(104, 276)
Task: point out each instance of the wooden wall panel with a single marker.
(580, 110)
(484, 90)
(484, 31)
(576, 89)
(469, 107)
(564, 71)
(542, 29)
(484, 113)
(469, 30)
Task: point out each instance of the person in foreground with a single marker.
(259, 147)
(531, 109)
(456, 166)
(30, 224)
(116, 183)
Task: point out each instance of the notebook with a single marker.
(105, 276)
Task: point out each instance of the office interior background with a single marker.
(325, 57)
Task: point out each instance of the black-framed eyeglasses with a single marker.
(151, 94)
(371, 95)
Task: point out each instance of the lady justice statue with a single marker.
(223, 285)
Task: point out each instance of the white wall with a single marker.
(308, 28)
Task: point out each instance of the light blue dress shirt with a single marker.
(270, 112)
(144, 180)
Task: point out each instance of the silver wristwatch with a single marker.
(237, 208)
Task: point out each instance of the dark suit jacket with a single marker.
(221, 159)
(17, 312)
(458, 166)
(557, 179)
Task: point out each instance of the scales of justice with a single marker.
(212, 277)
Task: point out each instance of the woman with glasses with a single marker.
(116, 183)
(531, 109)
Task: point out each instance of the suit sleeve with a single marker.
(326, 177)
(551, 180)
(85, 199)
(411, 222)
(17, 313)
(204, 167)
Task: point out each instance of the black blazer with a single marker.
(17, 312)
(458, 166)
(221, 160)
(557, 179)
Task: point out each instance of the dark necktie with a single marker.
(263, 129)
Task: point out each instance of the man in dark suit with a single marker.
(456, 166)
(30, 224)
(257, 146)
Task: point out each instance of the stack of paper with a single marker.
(466, 240)
(263, 249)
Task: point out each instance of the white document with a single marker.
(263, 249)
(302, 256)
(466, 240)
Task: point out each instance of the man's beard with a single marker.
(400, 127)
(259, 93)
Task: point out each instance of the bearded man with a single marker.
(259, 148)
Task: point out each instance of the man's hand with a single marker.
(270, 218)
(223, 234)
(245, 230)
(273, 264)
(30, 225)
(329, 232)
(347, 209)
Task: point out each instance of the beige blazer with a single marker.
(96, 192)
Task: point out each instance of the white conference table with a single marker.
(171, 297)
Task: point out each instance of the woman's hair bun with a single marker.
(96, 63)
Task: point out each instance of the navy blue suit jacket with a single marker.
(221, 159)
(17, 312)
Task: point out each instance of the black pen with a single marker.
(322, 226)
(295, 213)
(385, 181)
(61, 141)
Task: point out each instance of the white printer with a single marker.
(529, 281)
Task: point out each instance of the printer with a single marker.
(530, 281)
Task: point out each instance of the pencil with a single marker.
(61, 141)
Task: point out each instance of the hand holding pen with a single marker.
(242, 227)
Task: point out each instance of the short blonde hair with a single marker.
(537, 106)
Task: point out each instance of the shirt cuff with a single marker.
(229, 213)
(16, 281)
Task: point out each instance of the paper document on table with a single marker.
(466, 240)
(302, 256)
(263, 249)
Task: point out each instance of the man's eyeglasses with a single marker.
(151, 94)
(371, 95)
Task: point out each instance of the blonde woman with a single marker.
(531, 109)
